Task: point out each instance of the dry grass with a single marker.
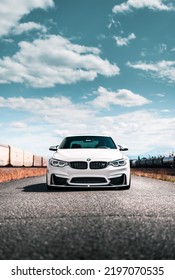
(159, 174)
(8, 174)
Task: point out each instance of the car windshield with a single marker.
(85, 142)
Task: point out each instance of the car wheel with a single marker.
(49, 188)
(126, 187)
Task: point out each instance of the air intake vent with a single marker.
(58, 180)
(118, 180)
(88, 180)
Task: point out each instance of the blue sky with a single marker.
(95, 66)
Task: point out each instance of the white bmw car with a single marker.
(88, 161)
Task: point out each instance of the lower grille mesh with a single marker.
(88, 180)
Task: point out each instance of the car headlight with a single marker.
(119, 162)
(57, 162)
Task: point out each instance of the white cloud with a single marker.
(165, 110)
(162, 48)
(18, 125)
(121, 41)
(156, 5)
(122, 97)
(54, 60)
(7, 40)
(50, 108)
(114, 23)
(28, 26)
(54, 118)
(143, 53)
(163, 69)
(12, 11)
(144, 131)
(160, 94)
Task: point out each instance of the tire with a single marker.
(50, 188)
(126, 187)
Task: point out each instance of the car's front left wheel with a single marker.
(128, 186)
(49, 188)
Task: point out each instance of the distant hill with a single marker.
(155, 153)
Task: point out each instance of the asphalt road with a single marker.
(87, 224)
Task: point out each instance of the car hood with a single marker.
(92, 154)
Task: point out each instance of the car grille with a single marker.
(98, 164)
(88, 180)
(92, 165)
(79, 164)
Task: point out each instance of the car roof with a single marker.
(87, 135)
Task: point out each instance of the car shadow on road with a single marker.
(35, 188)
(42, 188)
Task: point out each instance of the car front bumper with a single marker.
(107, 177)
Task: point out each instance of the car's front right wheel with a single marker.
(126, 187)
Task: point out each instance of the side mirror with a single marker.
(53, 148)
(122, 148)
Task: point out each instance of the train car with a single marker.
(142, 162)
(16, 157)
(27, 159)
(150, 162)
(4, 155)
(158, 162)
(37, 160)
(44, 162)
(134, 163)
(169, 161)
